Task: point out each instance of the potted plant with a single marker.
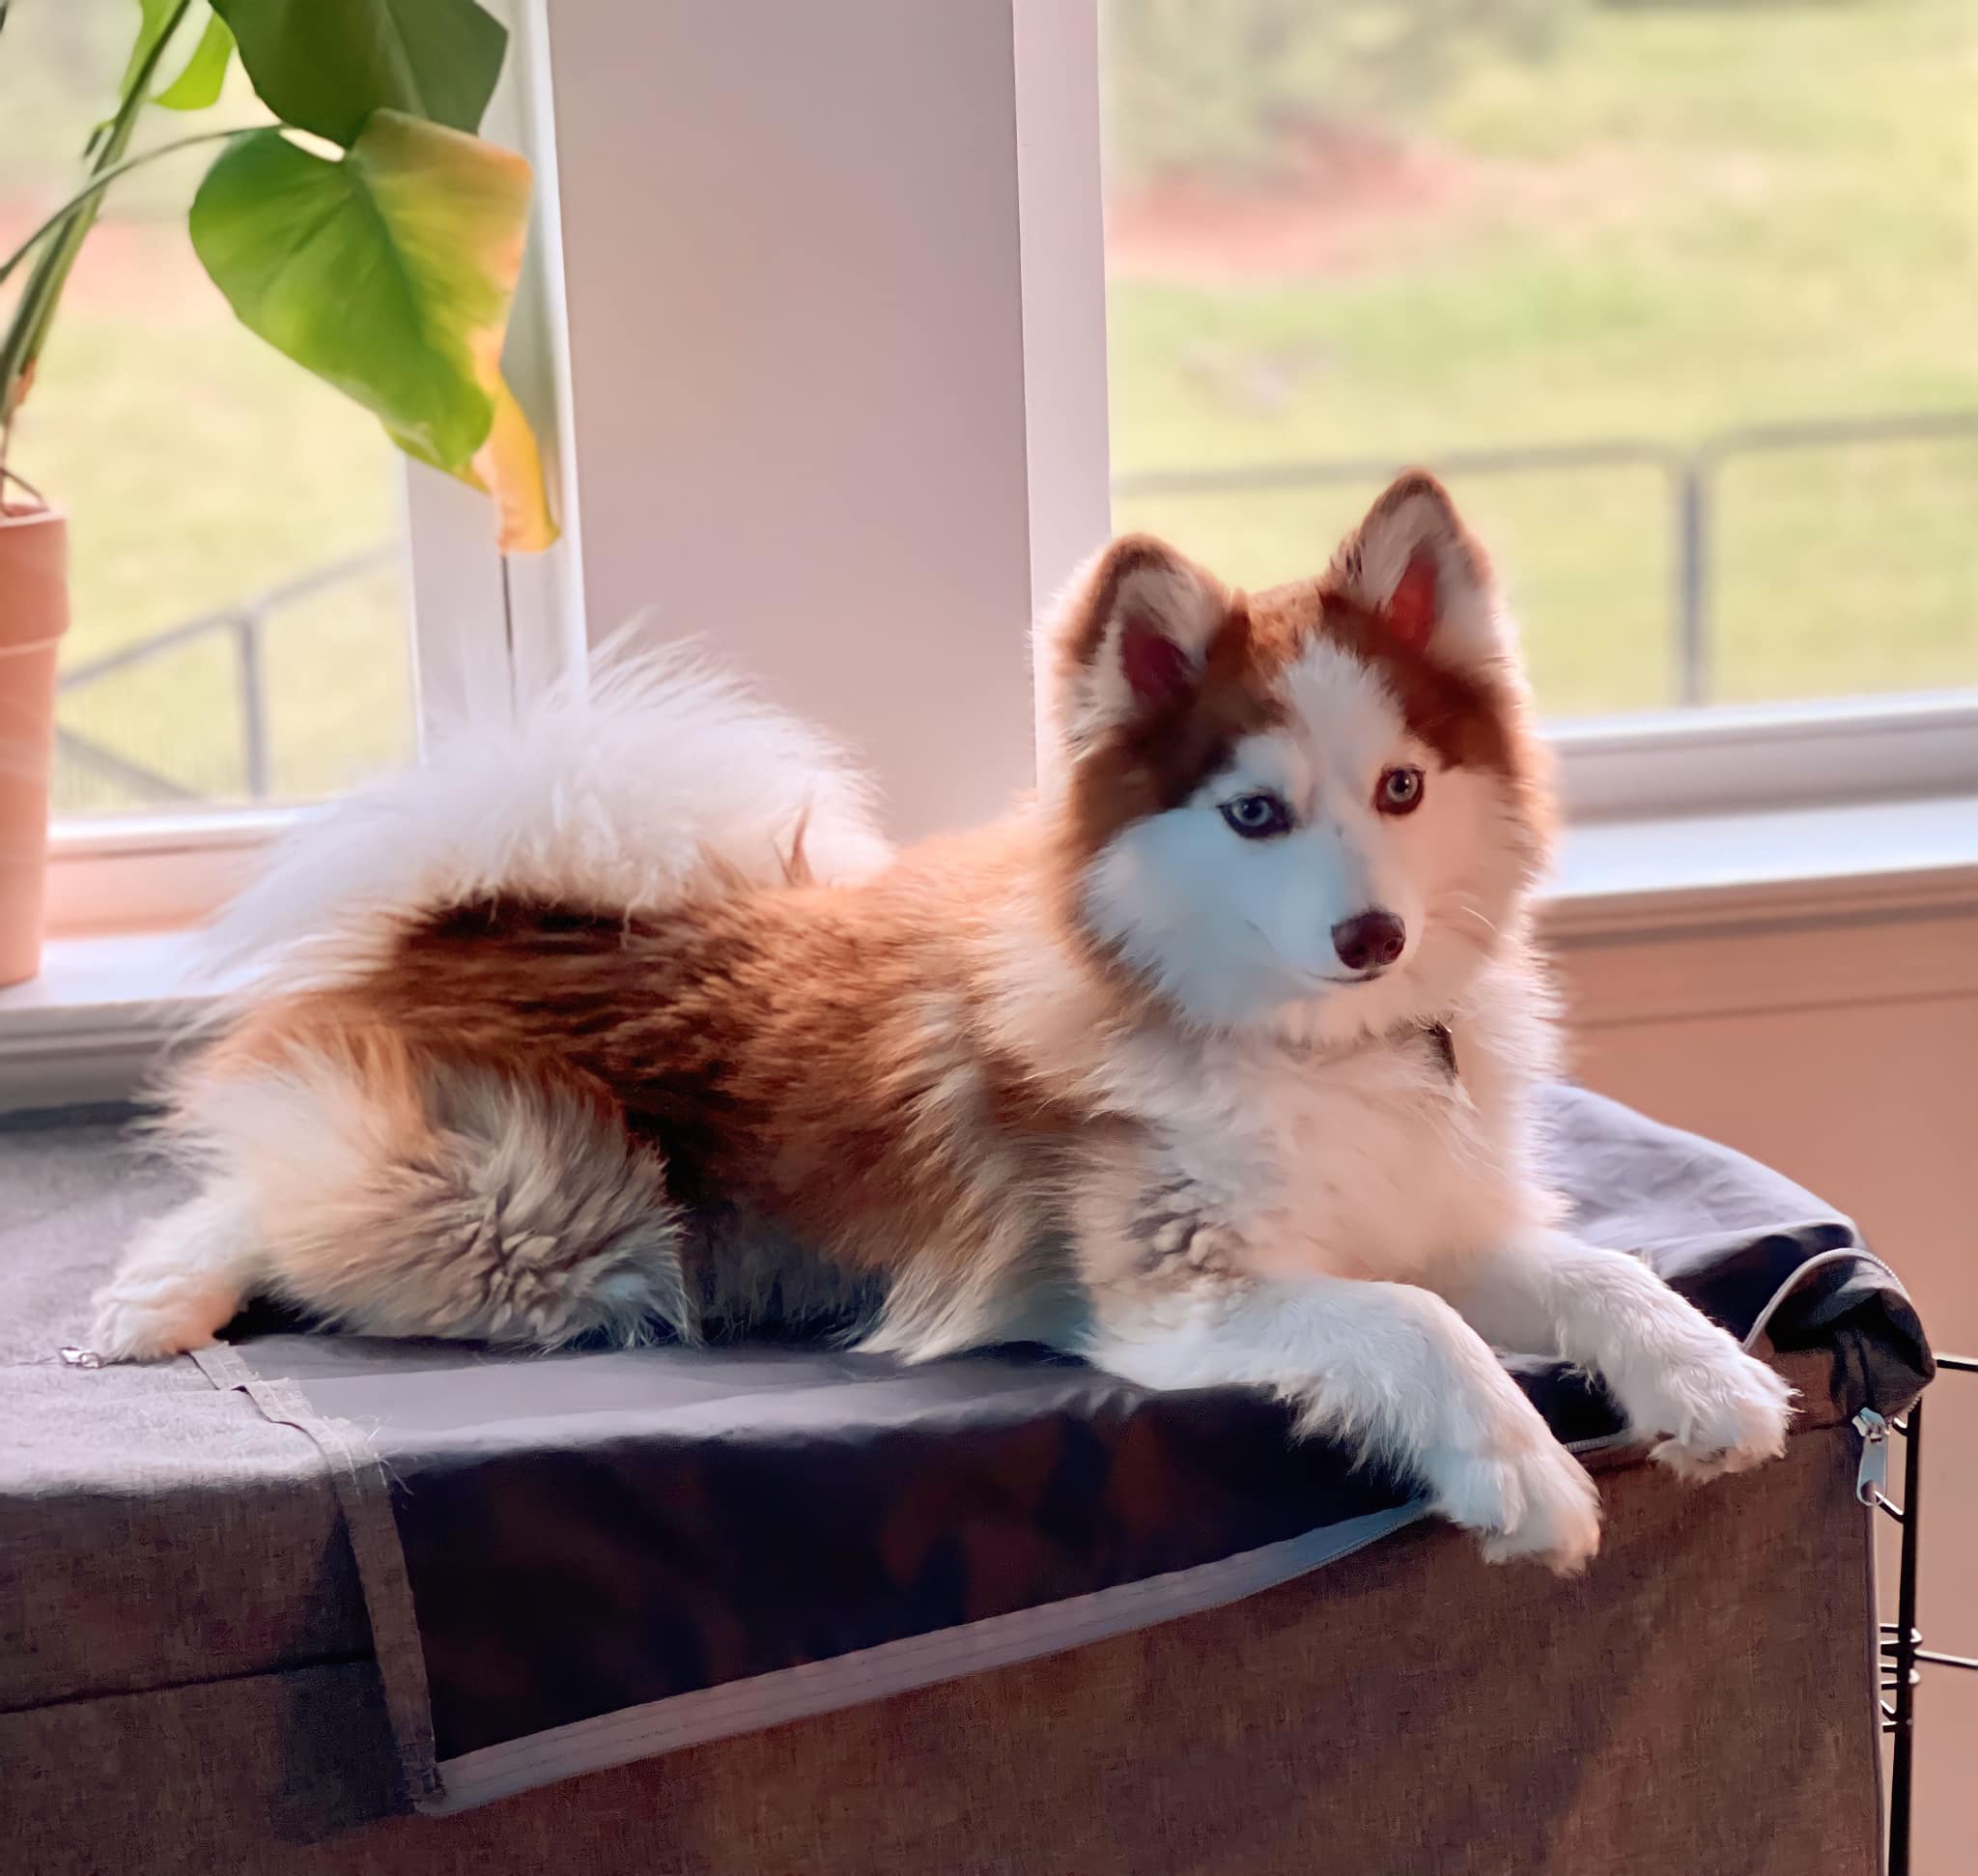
(379, 249)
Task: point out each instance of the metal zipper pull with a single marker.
(1872, 1473)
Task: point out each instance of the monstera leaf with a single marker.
(156, 18)
(198, 84)
(326, 65)
(389, 274)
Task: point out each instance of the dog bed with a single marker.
(523, 1570)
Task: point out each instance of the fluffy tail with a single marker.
(649, 779)
(397, 1196)
(404, 1194)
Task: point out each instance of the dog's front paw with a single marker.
(1535, 1501)
(1720, 1413)
(146, 1320)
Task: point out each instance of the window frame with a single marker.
(487, 632)
(1727, 759)
(485, 629)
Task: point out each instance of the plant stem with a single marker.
(109, 176)
(28, 331)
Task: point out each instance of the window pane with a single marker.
(1722, 256)
(239, 609)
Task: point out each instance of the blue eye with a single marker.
(1257, 817)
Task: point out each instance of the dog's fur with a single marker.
(629, 1024)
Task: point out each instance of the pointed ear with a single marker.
(1415, 567)
(1130, 639)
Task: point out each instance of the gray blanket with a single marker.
(575, 1561)
(569, 1563)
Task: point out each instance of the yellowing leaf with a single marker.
(391, 274)
(510, 467)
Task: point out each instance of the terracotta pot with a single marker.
(34, 615)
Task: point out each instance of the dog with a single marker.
(1212, 1064)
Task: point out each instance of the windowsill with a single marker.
(95, 1025)
(1625, 878)
(98, 1020)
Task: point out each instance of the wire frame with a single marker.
(1901, 1653)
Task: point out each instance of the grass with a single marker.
(1752, 214)
(198, 468)
(217, 472)
(1685, 219)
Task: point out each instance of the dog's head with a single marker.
(1315, 810)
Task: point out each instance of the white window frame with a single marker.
(483, 628)
(1729, 759)
(486, 630)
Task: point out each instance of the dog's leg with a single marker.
(1673, 1374)
(1385, 1367)
(184, 1280)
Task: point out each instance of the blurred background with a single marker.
(1575, 255)
(1680, 297)
(237, 582)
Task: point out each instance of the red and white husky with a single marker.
(1214, 1064)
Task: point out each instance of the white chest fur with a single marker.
(1370, 1163)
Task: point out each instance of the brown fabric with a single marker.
(1699, 1704)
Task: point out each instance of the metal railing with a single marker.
(1692, 475)
(245, 625)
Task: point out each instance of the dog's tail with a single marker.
(626, 788)
(394, 1190)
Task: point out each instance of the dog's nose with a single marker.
(1369, 941)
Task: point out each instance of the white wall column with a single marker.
(838, 406)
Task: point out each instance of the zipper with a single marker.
(1872, 1473)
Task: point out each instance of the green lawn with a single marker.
(1683, 218)
(198, 467)
(1757, 213)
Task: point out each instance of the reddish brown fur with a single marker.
(774, 1047)
(1470, 719)
(822, 1057)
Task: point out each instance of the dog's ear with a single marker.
(1130, 639)
(1416, 568)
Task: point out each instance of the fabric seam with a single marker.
(363, 1493)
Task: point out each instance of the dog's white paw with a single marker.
(1535, 1501)
(1718, 1412)
(140, 1319)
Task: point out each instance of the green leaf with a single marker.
(206, 70)
(156, 18)
(326, 65)
(389, 274)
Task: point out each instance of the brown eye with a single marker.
(1400, 791)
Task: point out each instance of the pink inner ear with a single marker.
(1411, 613)
(1155, 666)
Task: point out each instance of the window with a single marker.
(268, 601)
(239, 620)
(1676, 297)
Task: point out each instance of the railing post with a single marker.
(1692, 579)
(253, 682)
(1902, 1771)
